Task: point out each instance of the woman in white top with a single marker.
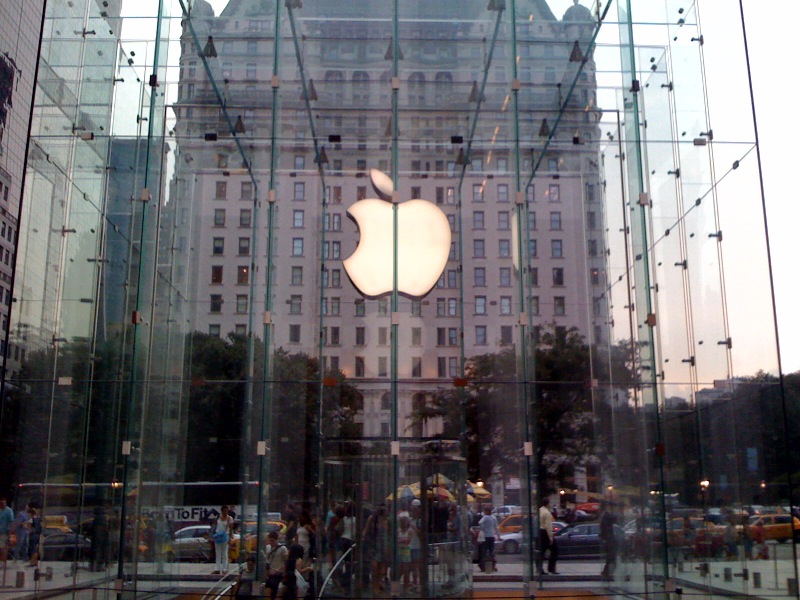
(223, 524)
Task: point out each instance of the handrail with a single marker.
(333, 569)
(207, 595)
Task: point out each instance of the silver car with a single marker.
(191, 543)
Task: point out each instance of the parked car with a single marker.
(582, 540)
(781, 527)
(191, 543)
(65, 546)
(512, 543)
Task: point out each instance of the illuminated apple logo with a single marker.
(423, 243)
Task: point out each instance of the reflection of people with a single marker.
(488, 527)
(221, 533)
(376, 538)
(609, 538)
(19, 529)
(100, 537)
(6, 518)
(546, 539)
(246, 580)
(276, 563)
(34, 534)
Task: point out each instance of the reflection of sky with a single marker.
(769, 38)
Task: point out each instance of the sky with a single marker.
(770, 31)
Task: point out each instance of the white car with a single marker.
(191, 543)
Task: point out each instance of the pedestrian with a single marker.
(546, 539)
(246, 581)
(34, 535)
(307, 537)
(760, 541)
(729, 539)
(221, 533)
(608, 536)
(488, 531)
(6, 518)
(100, 532)
(20, 531)
(277, 554)
(376, 541)
(346, 539)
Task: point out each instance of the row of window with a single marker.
(218, 246)
(242, 274)
(445, 307)
(245, 217)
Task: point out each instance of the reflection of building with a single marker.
(20, 25)
(349, 85)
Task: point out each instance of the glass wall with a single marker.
(233, 291)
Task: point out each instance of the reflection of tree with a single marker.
(217, 397)
(487, 408)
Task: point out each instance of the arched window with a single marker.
(361, 87)
(443, 86)
(416, 89)
(334, 85)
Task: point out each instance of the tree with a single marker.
(486, 416)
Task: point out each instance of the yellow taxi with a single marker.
(778, 526)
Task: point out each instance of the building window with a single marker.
(221, 192)
(506, 334)
(534, 275)
(503, 220)
(554, 192)
(480, 335)
(241, 303)
(533, 249)
(361, 308)
(441, 336)
(216, 274)
(213, 330)
(504, 248)
(294, 334)
(297, 246)
(480, 276)
(556, 248)
(245, 217)
(592, 247)
(416, 336)
(505, 305)
(360, 336)
(480, 305)
(441, 307)
(218, 245)
(333, 222)
(478, 248)
(298, 218)
(215, 303)
(441, 366)
(535, 305)
(558, 276)
(246, 190)
(416, 192)
(219, 217)
(299, 162)
(559, 306)
(297, 275)
(530, 193)
(505, 276)
(416, 366)
(591, 220)
(502, 192)
(244, 246)
(299, 190)
(361, 193)
(335, 341)
(452, 336)
(416, 308)
(477, 192)
(243, 275)
(332, 250)
(595, 275)
(295, 304)
(452, 279)
(532, 220)
(452, 307)
(383, 366)
(452, 366)
(478, 219)
(240, 329)
(555, 221)
(359, 366)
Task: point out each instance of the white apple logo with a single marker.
(423, 243)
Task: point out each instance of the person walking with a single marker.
(488, 530)
(546, 539)
(277, 556)
(221, 533)
(608, 536)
